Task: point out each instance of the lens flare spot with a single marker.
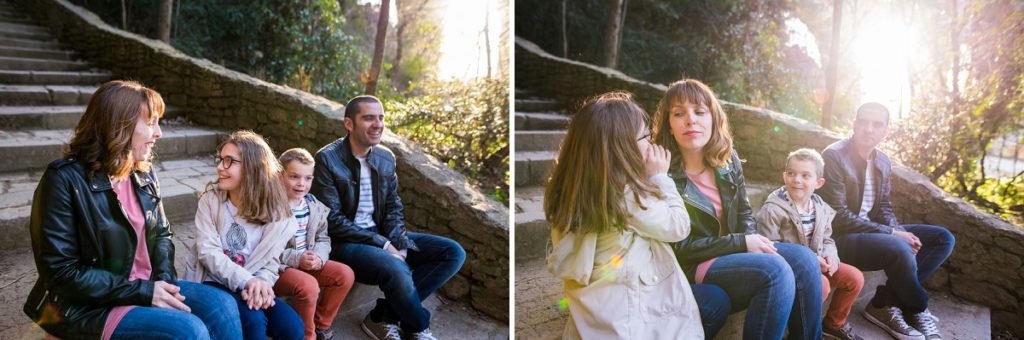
(563, 304)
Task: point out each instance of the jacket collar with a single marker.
(101, 182)
(345, 149)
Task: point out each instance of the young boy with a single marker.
(794, 214)
(305, 267)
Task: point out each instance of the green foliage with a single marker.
(463, 124)
(951, 128)
(736, 47)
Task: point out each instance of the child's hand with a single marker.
(656, 160)
(824, 265)
(833, 265)
(310, 261)
(258, 294)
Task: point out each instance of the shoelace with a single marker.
(896, 316)
(425, 335)
(926, 323)
(393, 331)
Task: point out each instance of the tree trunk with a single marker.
(565, 38)
(396, 67)
(831, 74)
(378, 47)
(163, 26)
(124, 16)
(612, 33)
(487, 38)
(957, 121)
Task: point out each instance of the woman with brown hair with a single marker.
(613, 211)
(101, 240)
(243, 224)
(778, 283)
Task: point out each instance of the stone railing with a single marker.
(437, 199)
(986, 265)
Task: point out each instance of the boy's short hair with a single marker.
(296, 154)
(806, 154)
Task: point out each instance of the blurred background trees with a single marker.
(441, 68)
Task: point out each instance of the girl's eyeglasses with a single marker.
(226, 161)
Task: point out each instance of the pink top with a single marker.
(141, 267)
(705, 182)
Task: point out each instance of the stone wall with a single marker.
(986, 263)
(437, 199)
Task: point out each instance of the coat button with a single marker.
(154, 200)
(655, 278)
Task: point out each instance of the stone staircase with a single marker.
(44, 90)
(540, 126)
(43, 93)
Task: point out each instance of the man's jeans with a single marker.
(405, 283)
(213, 316)
(775, 291)
(905, 270)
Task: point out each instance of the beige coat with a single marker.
(316, 233)
(211, 216)
(628, 285)
(779, 220)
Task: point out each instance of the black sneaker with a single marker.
(324, 334)
(845, 332)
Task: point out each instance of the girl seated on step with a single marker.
(613, 210)
(242, 225)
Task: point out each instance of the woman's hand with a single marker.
(258, 294)
(656, 160)
(166, 295)
(760, 244)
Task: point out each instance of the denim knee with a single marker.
(456, 253)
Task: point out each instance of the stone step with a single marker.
(34, 149)
(24, 34)
(539, 315)
(21, 52)
(533, 167)
(40, 117)
(51, 117)
(45, 94)
(23, 27)
(541, 121)
(28, 43)
(180, 180)
(53, 77)
(532, 228)
(533, 231)
(35, 64)
(537, 105)
(449, 320)
(538, 140)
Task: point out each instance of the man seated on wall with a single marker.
(868, 236)
(356, 179)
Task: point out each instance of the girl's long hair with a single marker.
(102, 139)
(263, 197)
(719, 148)
(598, 159)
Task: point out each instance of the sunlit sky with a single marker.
(878, 55)
(463, 53)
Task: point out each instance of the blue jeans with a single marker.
(775, 290)
(213, 316)
(405, 283)
(280, 321)
(904, 269)
(714, 306)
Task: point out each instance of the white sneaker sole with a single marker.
(885, 328)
